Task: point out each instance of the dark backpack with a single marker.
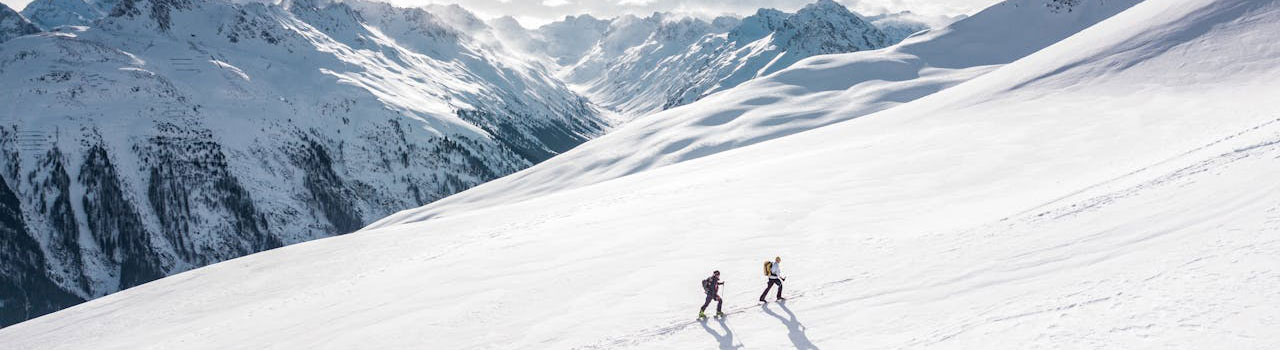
(707, 285)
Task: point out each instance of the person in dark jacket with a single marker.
(711, 286)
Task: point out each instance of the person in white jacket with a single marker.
(774, 271)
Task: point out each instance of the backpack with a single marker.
(768, 268)
(706, 285)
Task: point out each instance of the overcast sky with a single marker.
(532, 13)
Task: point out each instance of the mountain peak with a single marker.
(507, 20)
(826, 8)
(828, 27)
(824, 5)
(725, 23)
(582, 19)
(13, 24)
(457, 17)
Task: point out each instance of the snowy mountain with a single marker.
(13, 24)
(567, 40)
(638, 65)
(49, 14)
(799, 99)
(900, 25)
(1112, 188)
(174, 134)
(329, 88)
(645, 65)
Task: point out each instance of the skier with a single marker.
(711, 286)
(774, 272)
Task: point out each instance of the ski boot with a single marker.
(702, 315)
(719, 314)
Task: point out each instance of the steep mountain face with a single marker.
(49, 14)
(13, 24)
(656, 63)
(25, 285)
(178, 133)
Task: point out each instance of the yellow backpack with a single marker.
(768, 267)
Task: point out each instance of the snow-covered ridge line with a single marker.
(644, 65)
(640, 65)
(14, 24)
(173, 134)
(49, 14)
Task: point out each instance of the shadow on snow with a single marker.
(726, 340)
(795, 330)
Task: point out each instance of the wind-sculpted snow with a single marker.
(796, 99)
(1113, 189)
(179, 133)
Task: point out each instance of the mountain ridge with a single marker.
(152, 147)
(637, 75)
(14, 24)
(795, 100)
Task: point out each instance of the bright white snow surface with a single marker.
(1115, 190)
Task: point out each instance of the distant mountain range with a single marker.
(640, 65)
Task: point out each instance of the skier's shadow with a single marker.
(726, 340)
(795, 330)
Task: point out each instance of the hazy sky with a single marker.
(532, 13)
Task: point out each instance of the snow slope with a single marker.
(799, 98)
(1113, 190)
(179, 133)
